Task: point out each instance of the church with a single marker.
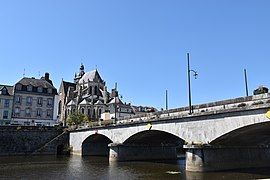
(88, 94)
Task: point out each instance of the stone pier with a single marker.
(203, 158)
(123, 152)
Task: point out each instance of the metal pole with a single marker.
(115, 108)
(189, 88)
(246, 83)
(166, 96)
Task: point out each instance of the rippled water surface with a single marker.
(75, 167)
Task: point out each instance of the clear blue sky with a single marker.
(141, 45)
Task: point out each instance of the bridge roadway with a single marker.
(220, 135)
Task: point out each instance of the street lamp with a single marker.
(246, 82)
(189, 88)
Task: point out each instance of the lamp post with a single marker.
(246, 82)
(166, 100)
(189, 86)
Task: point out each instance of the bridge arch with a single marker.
(250, 135)
(96, 145)
(154, 137)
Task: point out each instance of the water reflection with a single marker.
(75, 167)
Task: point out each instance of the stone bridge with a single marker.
(220, 135)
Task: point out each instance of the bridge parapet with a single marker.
(225, 106)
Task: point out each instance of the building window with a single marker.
(90, 90)
(40, 89)
(6, 103)
(50, 90)
(29, 88)
(18, 87)
(18, 99)
(38, 112)
(28, 112)
(49, 113)
(17, 111)
(5, 115)
(96, 90)
(39, 101)
(82, 110)
(29, 101)
(49, 102)
(99, 112)
(4, 92)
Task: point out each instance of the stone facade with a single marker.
(88, 94)
(33, 102)
(6, 102)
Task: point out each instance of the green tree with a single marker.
(76, 118)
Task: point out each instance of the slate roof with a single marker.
(9, 88)
(35, 82)
(68, 84)
(84, 102)
(91, 76)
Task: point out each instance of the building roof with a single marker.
(85, 102)
(117, 99)
(9, 88)
(35, 82)
(99, 102)
(71, 103)
(68, 84)
(91, 76)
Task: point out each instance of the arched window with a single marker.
(94, 114)
(99, 113)
(90, 90)
(60, 107)
(96, 90)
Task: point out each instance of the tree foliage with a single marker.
(76, 118)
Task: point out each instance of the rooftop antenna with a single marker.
(23, 72)
(39, 74)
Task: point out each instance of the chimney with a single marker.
(47, 76)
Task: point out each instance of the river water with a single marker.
(75, 167)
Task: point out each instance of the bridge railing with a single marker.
(225, 105)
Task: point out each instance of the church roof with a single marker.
(67, 84)
(71, 103)
(99, 102)
(91, 76)
(118, 101)
(84, 102)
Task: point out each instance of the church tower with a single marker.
(79, 75)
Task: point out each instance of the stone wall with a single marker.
(19, 140)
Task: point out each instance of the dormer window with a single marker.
(19, 87)
(50, 90)
(4, 91)
(29, 88)
(40, 89)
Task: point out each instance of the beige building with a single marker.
(6, 101)
(33, 102)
